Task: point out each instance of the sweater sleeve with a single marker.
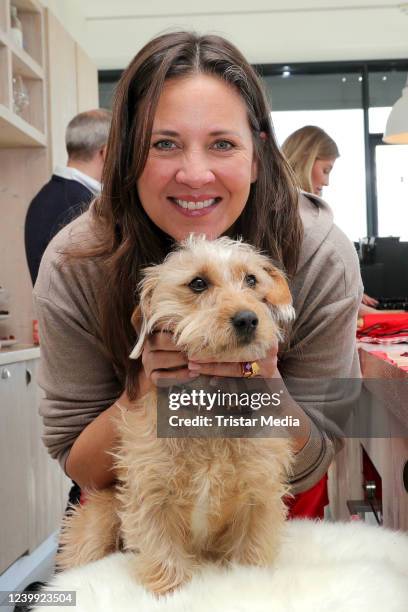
(77, 379)
(76, 374)
(322, 346)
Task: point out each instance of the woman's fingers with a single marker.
(216, 369)
(164, 378)
(163, 363)
(267, 367)
(161, 340)
(369, 301)
(163, 360)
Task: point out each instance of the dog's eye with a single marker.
(250, 280)
(198, 284)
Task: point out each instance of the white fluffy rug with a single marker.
(323, 567)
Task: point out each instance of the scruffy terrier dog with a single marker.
(181, 502)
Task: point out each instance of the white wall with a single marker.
(70, 14)
(265, 30)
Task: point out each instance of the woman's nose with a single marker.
(195, 171)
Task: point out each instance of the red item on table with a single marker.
(386, 325)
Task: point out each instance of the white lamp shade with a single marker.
(396, 130)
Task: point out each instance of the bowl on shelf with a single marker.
(7, 343)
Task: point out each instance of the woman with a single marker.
(311, 153)
(191, 148)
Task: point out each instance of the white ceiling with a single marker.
(265, 30)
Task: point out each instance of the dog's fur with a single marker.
(180, 502)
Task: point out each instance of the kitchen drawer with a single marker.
(14, 457)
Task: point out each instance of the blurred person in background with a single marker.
(312, 153)
(72, 187)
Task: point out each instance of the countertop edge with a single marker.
(19, 352)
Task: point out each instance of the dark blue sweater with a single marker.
(55, 205)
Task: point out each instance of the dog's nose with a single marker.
(245, 323)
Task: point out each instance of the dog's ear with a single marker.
(279, 297)
(141, 314)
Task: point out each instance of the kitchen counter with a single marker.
(19, 352)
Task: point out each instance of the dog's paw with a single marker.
(161, 578)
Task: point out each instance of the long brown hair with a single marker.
(303, 147)
(127, 240)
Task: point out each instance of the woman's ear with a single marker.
(254, 170)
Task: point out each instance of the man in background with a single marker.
(71, 187)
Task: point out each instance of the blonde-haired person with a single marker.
(312, 153)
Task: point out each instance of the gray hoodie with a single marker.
(80, 382)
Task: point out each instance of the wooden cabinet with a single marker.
(61, 81)
(34, 490)
(22, 69)
(48, 485)
(73, 84)
(14, 461)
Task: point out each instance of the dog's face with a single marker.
(221, 299)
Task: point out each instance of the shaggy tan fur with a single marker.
(182, 502)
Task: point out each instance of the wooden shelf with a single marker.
(15, 132)
(22, 62)
(29, 128)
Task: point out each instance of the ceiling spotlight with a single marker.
(343, 79)
(360, 78)
(396, 130)
(286, 72)
(384, 78)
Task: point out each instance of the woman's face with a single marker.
(201, 161)
(320, 174)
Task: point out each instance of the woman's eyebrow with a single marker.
(213, 133)
(165, 133)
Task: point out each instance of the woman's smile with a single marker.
(195, 206)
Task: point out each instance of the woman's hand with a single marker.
(369, 301)
(267, 366)
(163, 362)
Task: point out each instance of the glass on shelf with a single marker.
(4, 300)
(21, 98)
(16, 27)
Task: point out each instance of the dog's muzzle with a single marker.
(245, 323)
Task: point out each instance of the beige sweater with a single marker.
(80, 382)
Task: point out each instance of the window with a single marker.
(389, 162)
(351, 101)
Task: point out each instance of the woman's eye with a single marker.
(250, 280)
(164, 145)
(198, 284)
(223, 145)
